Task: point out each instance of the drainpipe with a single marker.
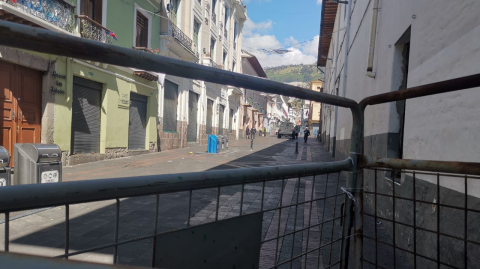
(373, 36)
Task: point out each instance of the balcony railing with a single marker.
(91, 29)
(225, 33)
(214, 17)
(57, 12)
(182, 38)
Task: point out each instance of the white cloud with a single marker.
(290, 41)
(319, 2)
(257, 41)
(295, 56)
(249, 27)
(256, 37)
(311, 47)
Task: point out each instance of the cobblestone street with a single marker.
(42, 232)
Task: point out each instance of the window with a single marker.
(224, 60)
(235, 33)
(212, 48)
(174, 10)
(142, 31)
(92, 8)
(227, 11)
(233, 67)
(214, 3)
(196, 30)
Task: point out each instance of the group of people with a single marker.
(251, 132)
(306, 134)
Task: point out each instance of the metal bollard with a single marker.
(296, 147)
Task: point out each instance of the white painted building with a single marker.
(207, 32)
(414, 43)
(394, 45)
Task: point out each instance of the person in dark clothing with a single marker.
(306, 134)
(248, 132)
(252, 132)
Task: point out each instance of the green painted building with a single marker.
(93, 111)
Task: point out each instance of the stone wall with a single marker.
(202, 136)
(172, 140)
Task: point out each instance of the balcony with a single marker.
(214, 17)
(173, 39)
(47, 13)
(93, 30)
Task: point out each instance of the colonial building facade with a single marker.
(96, 111)
(93, 111)
(209, 33)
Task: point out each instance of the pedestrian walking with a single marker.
(306, 134)
(248, 133)
(253, 132)
(265, 131)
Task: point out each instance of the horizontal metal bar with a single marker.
(41, 40)
(422, 165)
(417, 172)
(21, 197)
(423, 202)
(451, 85)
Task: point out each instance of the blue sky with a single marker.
(274, 24)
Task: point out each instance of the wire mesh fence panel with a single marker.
(420, 220)
(301, 225)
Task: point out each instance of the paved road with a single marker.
(92, 224)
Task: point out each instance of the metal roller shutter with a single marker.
(220, 120)
(209, 116)
(170, 100)
(137, 124)
(86, 104)
(192, 117)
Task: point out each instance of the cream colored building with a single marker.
(207, 32)
(314, 108)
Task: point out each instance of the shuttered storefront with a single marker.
(220, 119)
(137, 123)
(209, 116)
(192, 117)
(86, 104)
(230, 121)
(170, 106)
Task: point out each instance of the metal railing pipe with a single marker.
(41, 40)
(21, 197)
(451, 85)
(422, 165)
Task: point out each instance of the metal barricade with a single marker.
(331, 238)
(300, 205)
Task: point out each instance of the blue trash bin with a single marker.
(212, 144)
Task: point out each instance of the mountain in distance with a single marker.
(294, 73)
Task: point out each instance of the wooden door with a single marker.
(29, 100)
(21, 104)
(8, 105)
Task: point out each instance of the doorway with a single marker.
(21, 102)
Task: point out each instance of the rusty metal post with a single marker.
(354, 202)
